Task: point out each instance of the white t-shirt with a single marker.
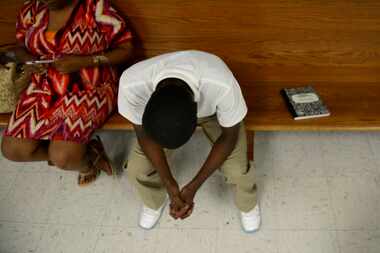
(215, 89)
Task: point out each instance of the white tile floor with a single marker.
(319, 192)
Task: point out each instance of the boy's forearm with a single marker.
(157, 157)
(219, 153)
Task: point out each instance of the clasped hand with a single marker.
(182, 202)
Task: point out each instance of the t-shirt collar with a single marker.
(184, 75)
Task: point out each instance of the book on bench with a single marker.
(304, 103)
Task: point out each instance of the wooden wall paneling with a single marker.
(301, 41)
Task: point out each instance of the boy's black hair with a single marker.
(170, 116)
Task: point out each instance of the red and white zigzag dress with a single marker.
(68, 107)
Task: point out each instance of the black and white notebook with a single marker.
(305, 103)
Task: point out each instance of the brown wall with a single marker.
(261, 40)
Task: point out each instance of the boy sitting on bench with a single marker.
(165, 98)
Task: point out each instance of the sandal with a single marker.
(85, 178)
(97, 148)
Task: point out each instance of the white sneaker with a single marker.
(149, 217)
(251, 221)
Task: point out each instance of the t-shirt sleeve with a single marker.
(112, 23)
(131, 105)
(231, 108)
(24, 21)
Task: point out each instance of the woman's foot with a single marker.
(98, 161)
(85, 178)
(98, 156)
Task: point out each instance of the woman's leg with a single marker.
(63, 154)
(77, 157)
(24, 150)
(69, 155)
(89, 159)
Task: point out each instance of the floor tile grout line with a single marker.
(329, 186)
(183, 228)
(54, 203)
(370, 145)
(300, 177)
(98, 233)
(277, 241)
(271, 173)
(108, 206)
(216, 244)
(337, 239)
(23, 222)
(323, 154)
(11, 187)
(373, 153)
(42, 236)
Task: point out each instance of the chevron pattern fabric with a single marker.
(68, 107)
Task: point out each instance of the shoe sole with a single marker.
(250, 232)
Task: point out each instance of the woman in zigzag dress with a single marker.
(74, 91)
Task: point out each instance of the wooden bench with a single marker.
(268, 45)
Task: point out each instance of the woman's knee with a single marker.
(16, 150)
(66, 159)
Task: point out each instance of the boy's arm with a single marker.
(156, 155)
(220, 151)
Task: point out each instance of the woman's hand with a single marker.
(19, 54)
(72, 63)
(34, 69)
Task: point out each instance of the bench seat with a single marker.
(353, 107)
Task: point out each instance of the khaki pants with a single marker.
(236, 170)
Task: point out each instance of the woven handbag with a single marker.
(8, 96)
(12, 84)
